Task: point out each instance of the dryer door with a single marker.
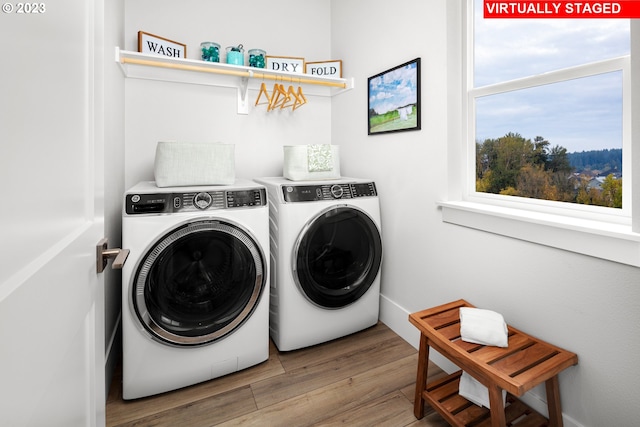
(337, 257)
(198, 283)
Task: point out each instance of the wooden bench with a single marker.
(524, 364)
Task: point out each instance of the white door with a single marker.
(51, 214)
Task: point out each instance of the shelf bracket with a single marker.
(243, 95)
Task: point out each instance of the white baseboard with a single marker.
(397, 319)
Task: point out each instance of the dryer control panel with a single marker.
(314, 193)
(161, 203)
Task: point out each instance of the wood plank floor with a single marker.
(365, 379)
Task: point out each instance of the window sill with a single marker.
(613, 242)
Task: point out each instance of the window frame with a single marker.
(606, 233)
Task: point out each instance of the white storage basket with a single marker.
(311, 162)
(194, 163)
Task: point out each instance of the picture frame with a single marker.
(394, 99)
(324, 68)
(291, 64)
(156, 45)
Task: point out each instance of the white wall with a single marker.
(174, 111)
(587, 305)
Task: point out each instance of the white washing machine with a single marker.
(195, 295)
(326, 254)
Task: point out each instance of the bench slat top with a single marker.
(525, 363)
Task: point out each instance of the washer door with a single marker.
(198, 283)
(337, 257)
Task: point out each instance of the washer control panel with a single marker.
(314, 193)
(161, 203)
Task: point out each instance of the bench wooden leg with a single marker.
(421, 377)
(553, 401)
(498, 418)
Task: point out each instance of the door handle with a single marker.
(103, 254)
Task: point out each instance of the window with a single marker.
(536, 94)
(546, 97)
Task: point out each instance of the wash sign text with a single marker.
(156, 45)
(627, 9)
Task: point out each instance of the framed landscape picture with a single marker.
(394, 99)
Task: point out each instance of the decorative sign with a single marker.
(148, 43)
(285, 63)
(324, 68)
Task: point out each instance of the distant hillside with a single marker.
(601, 161)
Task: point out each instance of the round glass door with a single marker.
(198, 283)
(337, 257)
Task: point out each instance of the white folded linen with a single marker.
(483, 327)
(473, 390)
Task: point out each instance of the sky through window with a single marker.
(583, 114)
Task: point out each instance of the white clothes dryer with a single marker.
(195, 300)
(326, 254)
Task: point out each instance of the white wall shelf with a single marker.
(153, 67)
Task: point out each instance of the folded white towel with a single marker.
(483, 327)
(473, 390)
